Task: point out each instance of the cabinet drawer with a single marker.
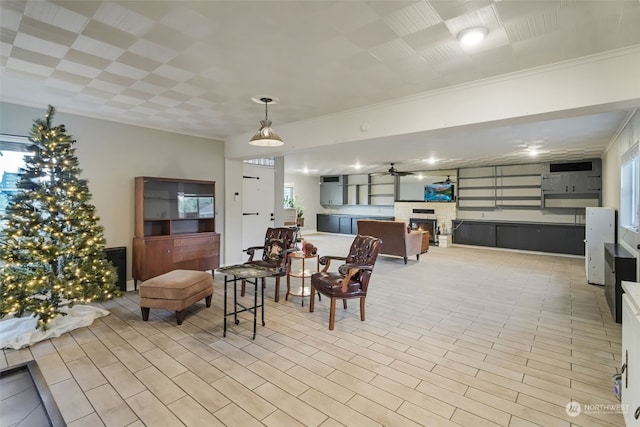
(187, 256)
(192, 241)
(202, 247)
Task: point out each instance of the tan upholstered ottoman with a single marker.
(175, 290)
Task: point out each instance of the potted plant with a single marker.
(295, 203)
(300, 215)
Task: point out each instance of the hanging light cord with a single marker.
(266, 104)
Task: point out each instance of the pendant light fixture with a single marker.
(266, 137)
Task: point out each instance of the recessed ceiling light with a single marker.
(473, 35)
(431, 160)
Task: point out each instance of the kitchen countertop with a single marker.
(495, 221)
(360, 216)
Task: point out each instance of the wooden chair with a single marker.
(278, 243)
(352, 278)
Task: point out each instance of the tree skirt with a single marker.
(20, 332)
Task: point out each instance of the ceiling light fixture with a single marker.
(266, 137)
(472, 36)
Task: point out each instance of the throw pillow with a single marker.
(275, 249)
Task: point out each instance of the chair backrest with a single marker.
(276, 242)
(364, 251)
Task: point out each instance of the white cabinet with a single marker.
(631, 353)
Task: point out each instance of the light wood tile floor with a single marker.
(465, 336)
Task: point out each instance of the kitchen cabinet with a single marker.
(333, 190)
(474, 233)
(542, 237)
(343, 224)
(328, 223)
(571, 182)
(572, 185)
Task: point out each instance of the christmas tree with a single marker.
(52, 245)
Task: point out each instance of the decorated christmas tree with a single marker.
(51, 244)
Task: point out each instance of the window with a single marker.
(12, 151)
(269, 161)
(288, 196)
(630, 189)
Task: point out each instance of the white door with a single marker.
(257, 204)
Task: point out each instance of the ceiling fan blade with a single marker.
(392, 171)
(446, 181)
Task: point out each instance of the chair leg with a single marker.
(344, 303)
(145, 313)
(179, 316)
(362, 309)
(312, 299)
(207, 300)
(405, 260)
(418, 257)
(332, 314)
(277, 297)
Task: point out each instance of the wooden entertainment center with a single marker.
(174, 227)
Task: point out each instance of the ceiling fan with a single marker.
(394, 172)
(446, 181)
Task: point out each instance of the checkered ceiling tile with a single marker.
(192, 66)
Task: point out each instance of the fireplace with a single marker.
(425, 224)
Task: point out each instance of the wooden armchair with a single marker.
(278, 243)
(352, 278)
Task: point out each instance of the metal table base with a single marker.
(252, 275)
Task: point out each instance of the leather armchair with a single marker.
(352, 278)
(278, 243)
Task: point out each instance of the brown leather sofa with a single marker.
(395, 238)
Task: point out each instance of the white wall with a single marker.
(112, 154)
(611, 163)
(232, 234)
(307, 189)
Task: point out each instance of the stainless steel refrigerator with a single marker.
(600, 228)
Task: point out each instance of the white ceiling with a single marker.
(192, 67)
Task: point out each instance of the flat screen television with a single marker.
(439, 193)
